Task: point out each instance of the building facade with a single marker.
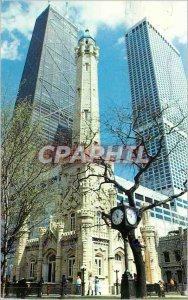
(77, 238)
(169, 216)
(150, 241)
(173, 256)
(158, 83)
(49, 76)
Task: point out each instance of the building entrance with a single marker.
(51, 268)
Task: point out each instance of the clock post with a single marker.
(124, 219)
(127, 283)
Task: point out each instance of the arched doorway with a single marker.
(118, 266)
(51, 268)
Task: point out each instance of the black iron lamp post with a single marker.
(117, 283)
(124, 219)
(83, 269)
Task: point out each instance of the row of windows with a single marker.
(177, 255)
(72, 219)
(158, 210)
(70, 264)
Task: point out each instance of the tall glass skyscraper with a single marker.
(49, 75)
(158, 83)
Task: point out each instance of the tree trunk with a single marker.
(3, 275)
(141, 291)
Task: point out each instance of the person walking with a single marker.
(23, 288)
(78, 285)
(171, 284)
(90, 286)
(161, 291)
(64, 285)
(40, 283)
(97, 286)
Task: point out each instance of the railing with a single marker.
(33, 289)
(46, 289)
(21, 292)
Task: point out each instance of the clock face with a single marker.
(131, 216)
(117, 216)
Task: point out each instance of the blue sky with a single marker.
(108, 22)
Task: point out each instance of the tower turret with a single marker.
(86, 114)
(153, 271)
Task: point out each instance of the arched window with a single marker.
(51, 268)
(98, 262)
(117, 257)
(31, 268)
(73, 221)
(71, 261)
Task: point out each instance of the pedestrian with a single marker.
(22, 288)
(161, 291)
(78, 285)
(171, 284)
(40, 283)
(165, 283)
(64, 285)
(17, 289)
(97, 286)
(90, 285)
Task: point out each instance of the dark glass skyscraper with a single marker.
(49, 75)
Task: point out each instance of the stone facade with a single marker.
(149, 236)
(77, 236)
(83, 239)
(173, 256)
(63, 248)
(86, 125)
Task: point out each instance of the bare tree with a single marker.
(27, 187)
(130, 130)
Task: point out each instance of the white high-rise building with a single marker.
(169, 216)
(158, 82)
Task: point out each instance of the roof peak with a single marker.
(86, 35)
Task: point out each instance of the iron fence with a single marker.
(34, 289)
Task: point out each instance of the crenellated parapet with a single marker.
(32, 242)
(85, 213)
(69, 235)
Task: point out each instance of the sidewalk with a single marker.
(111, 297)
(52, 297)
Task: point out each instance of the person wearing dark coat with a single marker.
(64, 285)
(40, 283)
(22, 288)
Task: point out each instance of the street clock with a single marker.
(124, 218)
(131, 216)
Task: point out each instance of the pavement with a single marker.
(106, 297)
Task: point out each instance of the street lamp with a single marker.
(124, 219)
(117, 283)
(83, 269)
